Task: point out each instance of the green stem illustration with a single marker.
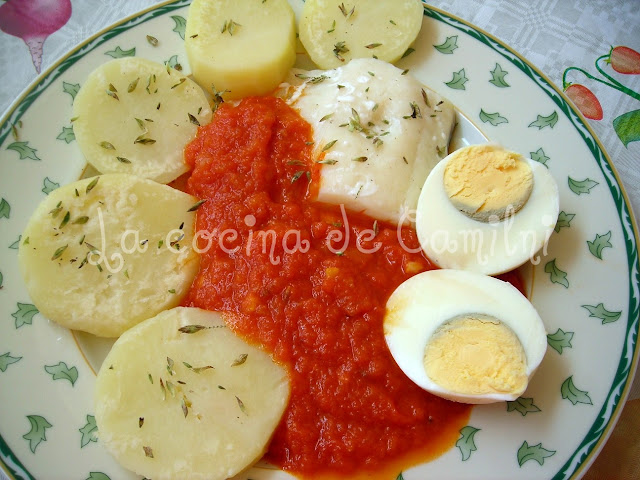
(612, 83)
(603, 73)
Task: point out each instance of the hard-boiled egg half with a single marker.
(486, 209)
(464, 336)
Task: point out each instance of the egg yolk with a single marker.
(485, 181)
(476, 355)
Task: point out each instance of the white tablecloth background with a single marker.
(551, 34)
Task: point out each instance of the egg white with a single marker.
(424, 302)
(453, 240)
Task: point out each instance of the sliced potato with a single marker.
(334, 31)
(193, 404)
(243, 47)
(101, 257)
(136, 116)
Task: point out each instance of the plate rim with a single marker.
(623, 205)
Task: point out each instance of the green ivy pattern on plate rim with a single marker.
(490, 71)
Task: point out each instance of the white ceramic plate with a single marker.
(585, 286)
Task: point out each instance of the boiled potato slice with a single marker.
(105, 253)
(135, 116)
(334, 31)
(241, 47)
(193, 404)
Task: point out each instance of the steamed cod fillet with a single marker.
(377, 133)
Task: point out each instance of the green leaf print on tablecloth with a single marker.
(627, 127)
(173, 63)
(6, 359)
(24, 314)
(24, 150)
(602, 313)
(15, 245)
(494, 119)
(5, 209)
(448, 46)
(71, 88)
(599, 243)
(540, 157)
(49, 186)
(581, 186)
(560, 340)
(38, 432)
(523, 406)
(548, 121)
(555, 274)
(497, 77)
(120, 53)
(97, 476)
(89, 432)
(181, 25)
(466, 442)
(535, 452)
(62, 372)
(564, 221)
(67, 134)
(572, 393)
(458, 80)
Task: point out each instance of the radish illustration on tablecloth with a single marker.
(33, 21)
(623, 60)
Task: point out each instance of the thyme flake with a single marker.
(65, 220)
(344, 12)
(152, 40)
(180, 82)
(196, 206)
(329, 145)
(242, 358)
(112, 94)
(338, 49)
(132, 86)
(192, 328)
(408, 52)
(54, 213)
(425, 98)
(58, 253)
(243, 409)
(144, 141)
(326, 117)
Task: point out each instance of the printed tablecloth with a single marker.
(587, 47)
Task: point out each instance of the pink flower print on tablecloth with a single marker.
(33, 21)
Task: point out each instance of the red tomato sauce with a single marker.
(352, 411)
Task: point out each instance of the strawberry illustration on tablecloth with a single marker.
(33, 21)
(622, 60)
